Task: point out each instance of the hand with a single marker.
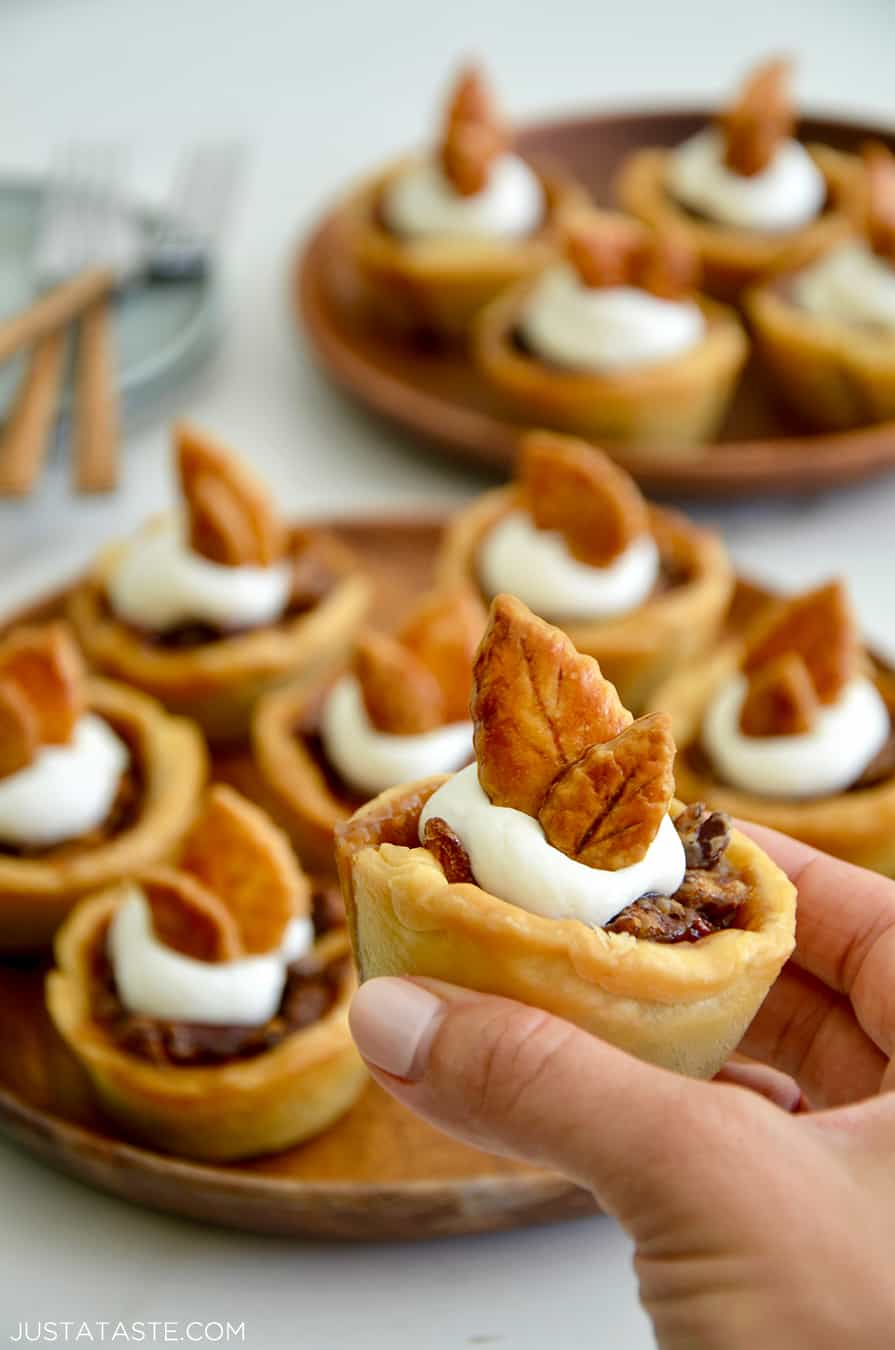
(762, 1218)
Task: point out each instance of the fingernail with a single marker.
(393, 1023)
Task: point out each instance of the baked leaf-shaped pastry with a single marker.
(601, 247)
(780, 700)
(239, 855)
(819, 626)
(604, 809)
(189, 918)
(401, 695)
(231, 517)
(474, 134)
(444, 632)
(537, 705)
(571, 486)
(879, 174)
(45, 665)
(666, 265)
(19, 729)
(759, 119)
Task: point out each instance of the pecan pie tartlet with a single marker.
(209, 1015)
(751, 199)
(559, 870)
(613, 341)
(827, 332)
(401, 709)
(434, 237)
(791, 726)
(637, 586)
(95, 780)
(209, 607)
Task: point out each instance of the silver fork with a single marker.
(199, 210)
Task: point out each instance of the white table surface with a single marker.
(322, 91)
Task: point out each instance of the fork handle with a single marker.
(30, 424)
(51, 311)
(97, 408)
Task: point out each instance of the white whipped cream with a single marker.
(852, 284)
(160, 582)
(372, 760)
(536, 565)
(157, 981)
(422, 203)
(511, 858)
(605, 328)
(67, 790)
(788, 193)
(826, 759)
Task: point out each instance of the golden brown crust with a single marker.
(401, 695)
(683, 1006)
(216, 684)
(670, 406)
(637, 650)
(733, 259)
(219, 1112)
(537, 704)
(858, 825)
(571, 486)
(36, 894)
(436, 286)
(606, 808)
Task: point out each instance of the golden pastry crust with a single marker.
(670, 406)
(217, 683)
(37, 893)
(217, 1112)
(640, 649)
(684, 1006)
(834, 375)
(436, 286)
(858, 825)
(732, 258)
(303, 801)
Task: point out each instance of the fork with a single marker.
(199, 208)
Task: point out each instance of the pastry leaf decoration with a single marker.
(879, 174)
(44, 680)
(818, 626)
(760, 118)
(231, 518)
(780, 700)
(474, 135)
(610, 250)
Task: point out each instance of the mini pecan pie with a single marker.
(95, 780)
(208, 1011)
(324, 748)
(635, 585)
(613, 342)
(791, 726)
(433, 238)
(827, 332)
(559, 870)
(751, 200)
(208, 609)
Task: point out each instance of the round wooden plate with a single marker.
(441, 400)
(379, 1173)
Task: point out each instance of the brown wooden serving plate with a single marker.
(442, 401)
(380, 1172)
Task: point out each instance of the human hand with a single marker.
(761, 1218)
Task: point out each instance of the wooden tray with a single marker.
(379, 1173)
(443, 403)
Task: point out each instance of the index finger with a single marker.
(845, 928)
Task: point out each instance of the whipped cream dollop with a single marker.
(157, 981)
(422, 202)
(372, 760)
(159, 583)
(852, 285)
(536, 565)
(511, 857)
(605, 328)
(788, 193)
(827, 759)
(67, 790)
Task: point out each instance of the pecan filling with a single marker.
(123, 815)
(707, 901)
(310, 993)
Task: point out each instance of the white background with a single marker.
(323, 89)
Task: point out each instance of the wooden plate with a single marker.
(443, 403)
(379, 1173)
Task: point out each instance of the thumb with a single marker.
(515, 1080)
